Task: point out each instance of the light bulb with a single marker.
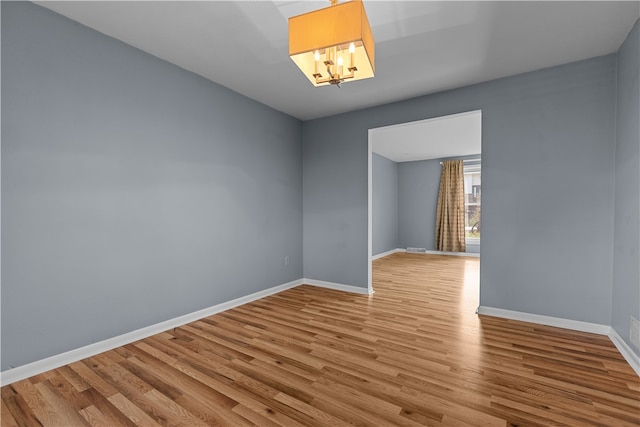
(340, 61)
(316, 56)
(352, 47)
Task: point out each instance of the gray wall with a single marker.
(626, 265)
(418, 188)
(547, 172)
(384, 221)
(133, 191)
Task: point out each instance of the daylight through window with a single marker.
(472, 198)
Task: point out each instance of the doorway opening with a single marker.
(413, 152)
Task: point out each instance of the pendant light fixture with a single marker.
(333, 45)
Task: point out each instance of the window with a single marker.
(472, 198)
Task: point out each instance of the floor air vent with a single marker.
(417, 250)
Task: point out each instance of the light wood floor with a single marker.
(413, 354)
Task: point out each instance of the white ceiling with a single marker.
(448, 136)
(422, 47)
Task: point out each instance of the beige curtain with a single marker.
(450, 215)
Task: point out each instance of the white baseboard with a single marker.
(387, 253)
(629, 355)
(558, 322)
(429, 252)
(336, 286)
(576, 325)
(25, 371)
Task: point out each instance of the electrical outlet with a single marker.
(634, 332)
(286, 260)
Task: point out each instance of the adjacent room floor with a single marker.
(414, 353)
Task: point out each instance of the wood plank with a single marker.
(180, 416)
(93, 378)
(104, 406)
(95, 418)
(16, 409)
(42, 409)
(6, 417)
(132, 411)
(64, 408)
